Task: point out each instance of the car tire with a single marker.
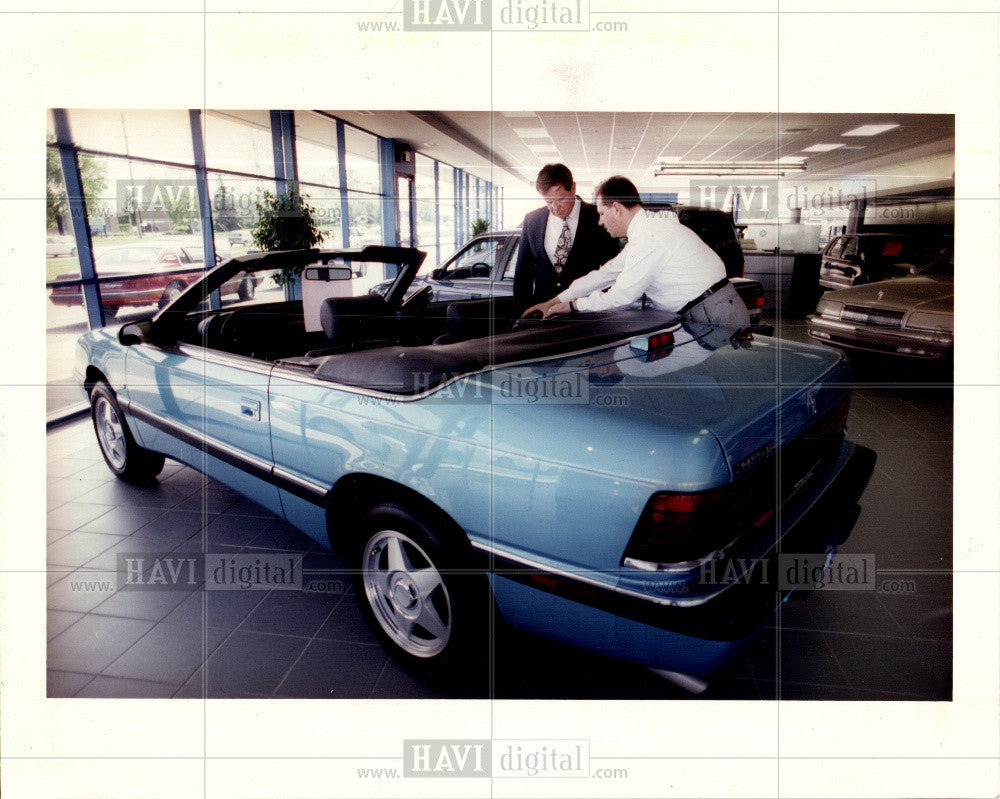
(247, 289)
(171, 293)
(420, 596)
(121, 452)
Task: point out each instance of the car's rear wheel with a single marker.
(418, 593)
(121, 452)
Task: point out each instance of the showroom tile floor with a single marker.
(894, 643)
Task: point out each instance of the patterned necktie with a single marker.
(562, 248)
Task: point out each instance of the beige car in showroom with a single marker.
(910, 316)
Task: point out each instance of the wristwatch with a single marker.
(572, 307)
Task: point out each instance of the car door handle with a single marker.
(250, 409)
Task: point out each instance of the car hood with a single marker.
(693, 417)
(926, 292)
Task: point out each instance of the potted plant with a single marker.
(286, 222)
(480, 225)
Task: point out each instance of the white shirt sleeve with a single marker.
(634, 276)
(595, 281)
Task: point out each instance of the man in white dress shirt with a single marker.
(664, 261)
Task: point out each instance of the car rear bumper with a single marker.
(656, 622)
(909, 343)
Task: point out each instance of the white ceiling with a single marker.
(598, 144)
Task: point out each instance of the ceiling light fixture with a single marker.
(870, 130)
(821, 148)
(725, 168)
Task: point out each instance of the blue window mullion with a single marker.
(204, 204)
(79, 218)
(345, 209)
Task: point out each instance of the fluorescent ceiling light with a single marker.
(723, 168)
(821, 148)
(870, 130)
(531, 132)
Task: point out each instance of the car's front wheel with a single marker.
(418, 593)
(121, 452)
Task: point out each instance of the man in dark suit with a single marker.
(560, 242)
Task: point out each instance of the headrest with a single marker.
(344, 318)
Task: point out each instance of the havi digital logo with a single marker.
(447, 15)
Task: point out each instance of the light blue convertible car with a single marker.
(621, 481)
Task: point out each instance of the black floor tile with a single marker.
(177, 525)
(93, 643)
(76, 549)
(291, 613)
(251, 663)
(851, 612)
(116, 688)
(883, 664)
(335, 670)
(223, 609)
(167, 654)
(71, 489)
(921, 617)
(144, 605)
(75, 515)
(81, 591)
(395, 682)
(59, 620)
(806, 657)
(65, 467)
(64, 684)
(231, 530)
(122, 520)
(346, 623)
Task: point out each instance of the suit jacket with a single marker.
(535, 278)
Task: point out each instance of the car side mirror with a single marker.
(438, 273)
(134, 332)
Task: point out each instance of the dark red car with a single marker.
(146, 273)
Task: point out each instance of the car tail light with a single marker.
(758, 302)
(657, 341)
(678, 529)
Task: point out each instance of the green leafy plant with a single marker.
(480, 225)
(286, 222)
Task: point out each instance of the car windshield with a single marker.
(476, 260)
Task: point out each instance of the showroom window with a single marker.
(143, 213)
(318, 160)
(239, 141)
(446, 209)
(363, 184)
(427, 210)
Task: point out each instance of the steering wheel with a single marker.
(417, 301)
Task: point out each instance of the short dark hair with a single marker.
(554, 175)
(618, 189)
